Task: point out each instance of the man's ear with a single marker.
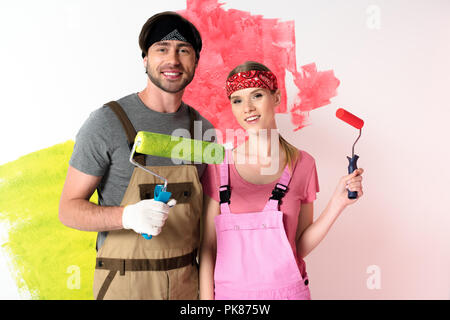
(145, 62)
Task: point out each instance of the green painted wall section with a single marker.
(48, 259)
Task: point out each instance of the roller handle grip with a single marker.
(352, 167)
(159, 195)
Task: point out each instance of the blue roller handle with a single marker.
(352, 167)
(159, 195)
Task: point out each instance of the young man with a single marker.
(129, 266)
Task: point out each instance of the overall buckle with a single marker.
(225, 195)
(279, 192)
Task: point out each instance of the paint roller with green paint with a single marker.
(167, 146)
(173, 147)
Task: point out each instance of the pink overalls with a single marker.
(254, 258)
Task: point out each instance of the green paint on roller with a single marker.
(168, 146)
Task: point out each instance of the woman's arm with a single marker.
(208, 247)
(310, 234)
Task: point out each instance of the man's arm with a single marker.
(75, 210)
(208, 249)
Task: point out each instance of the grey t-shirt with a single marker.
(101, 146)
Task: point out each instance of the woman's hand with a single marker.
(350, 182)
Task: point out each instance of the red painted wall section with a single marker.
(231, 37)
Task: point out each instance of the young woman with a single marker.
(258, 221)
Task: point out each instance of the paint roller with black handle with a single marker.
(358, 123)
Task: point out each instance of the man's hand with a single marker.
(147, 216)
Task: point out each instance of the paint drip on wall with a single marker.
(231, 37)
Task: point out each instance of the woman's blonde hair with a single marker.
(290, 151)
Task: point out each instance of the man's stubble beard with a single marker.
(158, 83)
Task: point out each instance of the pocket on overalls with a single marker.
(184, 283)
(182, 226)
(181, 191)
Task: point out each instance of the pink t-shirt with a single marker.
(250, 197)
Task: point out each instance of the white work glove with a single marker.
(147, 216)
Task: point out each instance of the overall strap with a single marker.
(130, 131)
(128, 127)
(279, 191)
(192, 119)
(224, 189)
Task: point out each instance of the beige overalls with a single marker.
(164, 267)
